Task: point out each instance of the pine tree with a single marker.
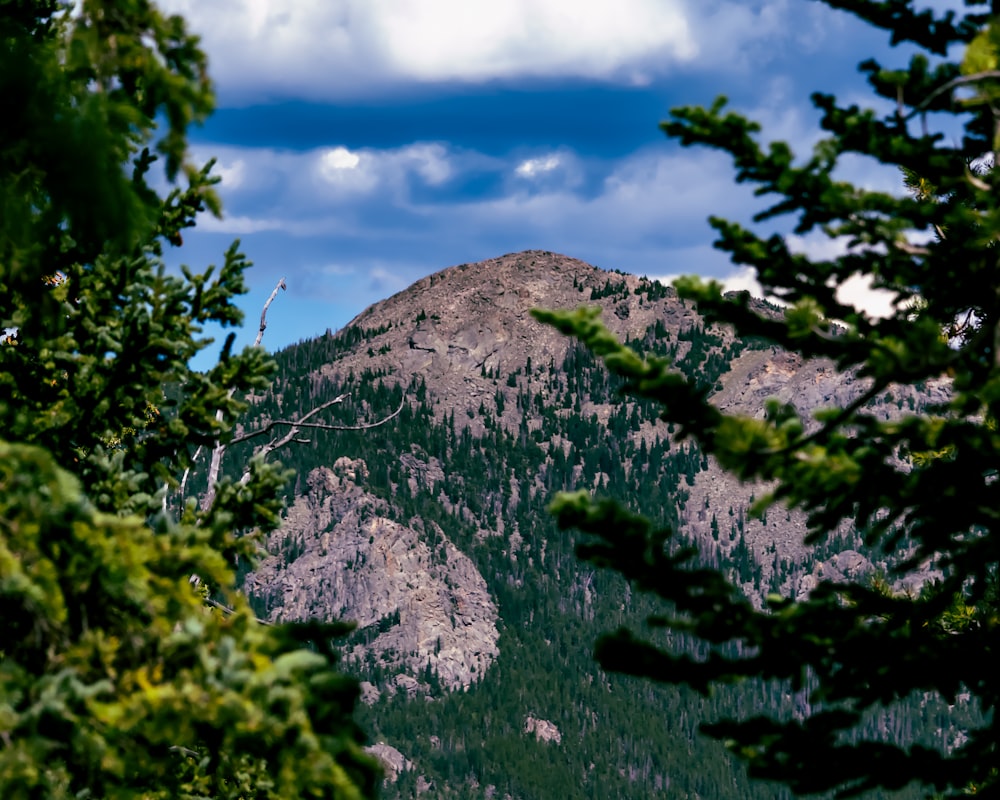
(921, 487)
(118, 676)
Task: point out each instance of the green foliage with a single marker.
(852, 647)
(117, 679)
(609, 290)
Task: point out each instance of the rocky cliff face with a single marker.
(420, 605)
(759, 375)
(771, 374)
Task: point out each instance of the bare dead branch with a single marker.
(958, 328)
(911, 249)
(247, 436)
(290, 436)
(213, 470)
(962, 80)
(323, 426)
(263, 313)
(230, 611)
(219, 449)
(977, 182)
(295, 426)
(187, 472)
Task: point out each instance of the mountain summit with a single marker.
(467, 322)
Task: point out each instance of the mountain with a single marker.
(475, 619)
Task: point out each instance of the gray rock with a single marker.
(393, 762)
(421, 601)
(544, 730)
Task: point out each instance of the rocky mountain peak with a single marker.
(459, 327)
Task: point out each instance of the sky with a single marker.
(364, 144)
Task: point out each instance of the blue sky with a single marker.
(364, 144)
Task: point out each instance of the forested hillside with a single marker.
(414, 521)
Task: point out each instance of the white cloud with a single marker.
(336, 270)
(817, 246)
(298, 186)
(232, 173)
(651, 205)
(238, 225)
(657, 191)
(324, 49)
(857, 291)
(370, 171)
(742, 279)
(645, 205)
(744, 36)
(344, 172)
(437, 40)
(430, 161)
(644, 195)
(339, 158)
(531, 167)
(384, 280)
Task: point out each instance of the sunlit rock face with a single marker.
(422, 604)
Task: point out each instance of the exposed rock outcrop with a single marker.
(756, 377)
(543, 730)
(420, 604)
(525, 413)
(393, 762)
(467, 332)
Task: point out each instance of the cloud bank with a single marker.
(330, 49)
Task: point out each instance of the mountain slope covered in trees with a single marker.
(476, 620)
